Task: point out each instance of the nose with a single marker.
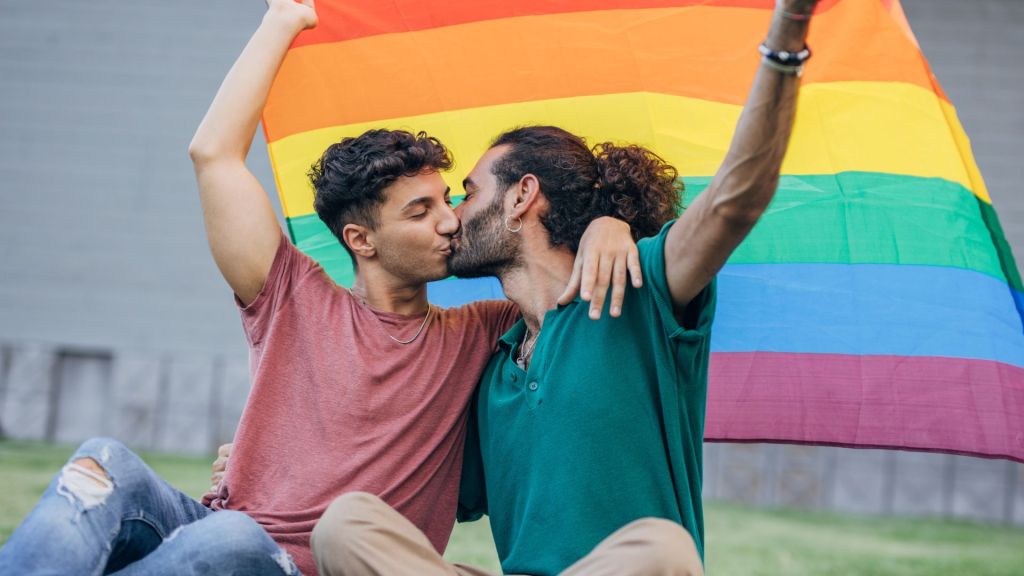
(449, 223)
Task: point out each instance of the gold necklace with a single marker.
(430, 312)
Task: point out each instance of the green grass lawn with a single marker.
(740, 540)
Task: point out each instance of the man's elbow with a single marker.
(742, 202)
(739, 214)
(201, 152)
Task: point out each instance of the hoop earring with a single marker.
(509, 228)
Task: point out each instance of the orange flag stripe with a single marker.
(571, 55)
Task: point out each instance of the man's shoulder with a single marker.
(654, 244)
(488, 319)
(483, 309)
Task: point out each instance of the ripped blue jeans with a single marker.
(133, 524)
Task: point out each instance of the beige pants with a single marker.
(361, 535)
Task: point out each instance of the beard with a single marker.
(485, 247)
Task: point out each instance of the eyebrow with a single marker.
(423, 200)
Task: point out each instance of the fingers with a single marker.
(600, 289)
(615, 268)
(607, 258)
(220, 464)
(618, 288)
(573, 288)
(588, 277)
(633, 262)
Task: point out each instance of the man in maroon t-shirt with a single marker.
(362, 389)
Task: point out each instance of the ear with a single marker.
(358, 239)
(526, 196)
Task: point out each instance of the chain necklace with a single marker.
(524, 352)
(430, 312)
(426, 319)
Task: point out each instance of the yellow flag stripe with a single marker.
(886, 127)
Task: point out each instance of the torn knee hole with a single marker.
(93, 466)
(86, 481)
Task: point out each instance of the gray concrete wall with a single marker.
(114, 320)
(113, 317)
(173, 402)
(101, 238)
(975, 49)
(872, 482)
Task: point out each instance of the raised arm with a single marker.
(240, 224)
(702, 239)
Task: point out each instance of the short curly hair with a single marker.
(630, 182)
(350, 178)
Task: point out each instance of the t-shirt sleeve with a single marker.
(496, 317)
(290, 267)
(695, 321)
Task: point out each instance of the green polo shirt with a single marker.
(605, 427)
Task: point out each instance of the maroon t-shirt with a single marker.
(336, 405)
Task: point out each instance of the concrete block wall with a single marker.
(173, 403)
(872, 482)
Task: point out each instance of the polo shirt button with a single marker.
(533, 386)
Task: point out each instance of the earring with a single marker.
(517, 228)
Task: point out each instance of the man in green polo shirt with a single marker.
(588, 455)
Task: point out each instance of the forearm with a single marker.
(748, 177)
(240, 223)
(228, 128)
(700, 242)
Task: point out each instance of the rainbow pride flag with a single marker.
(876, 304)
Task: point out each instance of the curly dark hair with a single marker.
(581, 184)
(350, 178)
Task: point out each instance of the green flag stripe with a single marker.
(846, 218)
(872, 218)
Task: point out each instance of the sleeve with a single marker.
(496, 317)
(694, 322)
(289, 268)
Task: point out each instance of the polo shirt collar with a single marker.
(514, 336)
